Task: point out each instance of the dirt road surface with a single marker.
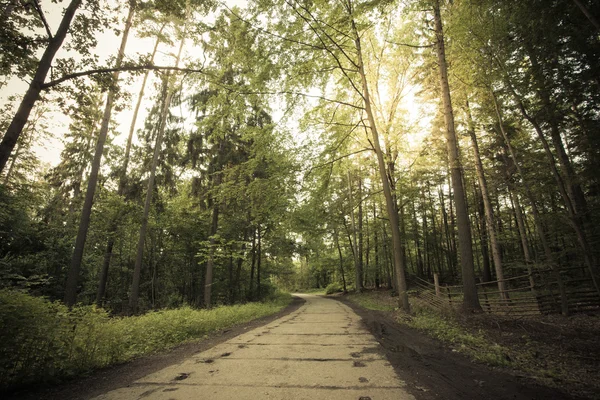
(319, 351)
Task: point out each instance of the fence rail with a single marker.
(525, 295)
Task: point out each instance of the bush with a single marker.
(333, 288)
(43, 341)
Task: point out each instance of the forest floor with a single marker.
(546, 357)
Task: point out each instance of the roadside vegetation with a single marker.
(43, 341)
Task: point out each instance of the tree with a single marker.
(470, 300)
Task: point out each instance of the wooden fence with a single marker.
(526, 295)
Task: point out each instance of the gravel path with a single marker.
(319, 351)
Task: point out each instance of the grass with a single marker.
(43, 341)
(379, 301)
(444, 328)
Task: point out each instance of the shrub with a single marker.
(333, 288)
(43, 341)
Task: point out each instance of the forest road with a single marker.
(319, 351)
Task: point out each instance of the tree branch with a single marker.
(411, 45)
(74, 75)
(338, 159)
(38, 9)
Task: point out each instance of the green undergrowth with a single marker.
(43, 341)
(448, 330)
(444, 328)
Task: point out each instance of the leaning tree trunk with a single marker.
(86, 212)
(535, 211)
(121, 189)
(10, 138)
(487, 206)
(470, 300)
(392, 210)
(169, 92)
(594, 21)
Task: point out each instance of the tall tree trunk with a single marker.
(487, 207)
(392, 210)
(470, 300)
(336, 236)
(208, 277)
(420, 266)
(514, 199)
(354, 242)
(253, 265)
(84, 223)
(360, 274)
(376, 249)
(10, 138)
(258, 264)
(447, 234)
(168, 96)
(486, 275)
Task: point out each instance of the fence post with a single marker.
(436, 280)
(487, 301)
(449, 295)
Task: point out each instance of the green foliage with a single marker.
(44, 341)
(333, 287)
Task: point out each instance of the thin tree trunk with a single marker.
(486, 273)
(376, 249)
(208, 277)
(339, 249)
(447, 233)
(470, 300)
(169, 92)
(392, 210)
(253, 265)
(10, 138)
(588, 14)
(487, 206)
(354, 242)
(86, 212)
(258, 263)
(360, 273)
(514, 198)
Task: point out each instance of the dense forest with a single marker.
(213, 151)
